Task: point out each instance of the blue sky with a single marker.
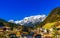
(18, 9)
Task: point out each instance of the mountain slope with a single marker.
(5, 23)
(53, 17)
(1, 20)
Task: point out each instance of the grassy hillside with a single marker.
(49, 25)
(50, 20)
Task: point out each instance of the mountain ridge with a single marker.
(54, 16)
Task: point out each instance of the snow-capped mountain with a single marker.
(30, 21)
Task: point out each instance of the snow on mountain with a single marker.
(31, 20)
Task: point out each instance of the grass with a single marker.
(49, 25)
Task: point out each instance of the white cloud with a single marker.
(30, 20)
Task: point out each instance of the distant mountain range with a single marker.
(39, 20)
(30, 21)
